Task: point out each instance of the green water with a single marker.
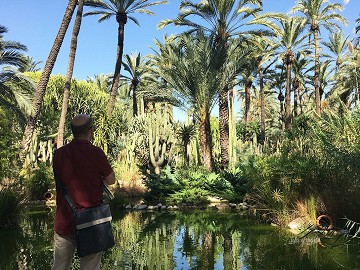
(184, 240)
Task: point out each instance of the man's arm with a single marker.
(110, 179)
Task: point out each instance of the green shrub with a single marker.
(39, 181)
(11, 207)
(8, 147)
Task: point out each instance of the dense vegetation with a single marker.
(294, 149)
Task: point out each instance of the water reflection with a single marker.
(183, 240)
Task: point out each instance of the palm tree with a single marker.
(247, 77)
(29, 65)
(347, 85)
(319, 13)
(120, 9)
(289, 38)
(222, 20)
(189, 71)
(15, 88)
(337, 45)
(264, 50)
(72, 53)
(103, 81)
(41, 86)
(136, 67)
(300, 69)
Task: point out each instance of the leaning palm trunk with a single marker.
(206, 141)
(224, 127)
(72, 54)
(121, 19)
(41, 87)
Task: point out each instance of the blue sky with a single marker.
(35, 24)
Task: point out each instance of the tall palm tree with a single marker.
(289, 37)
(72, 53)
(15, 89)
(300, 69)
(347, 84)
(120, 9)
(264, 51)
(136, 67)
(44, 79)
(189, 71)
(222, 20)
(247, 77)
(319, 13)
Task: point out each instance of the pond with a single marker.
(184, 240)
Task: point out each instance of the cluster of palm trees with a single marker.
(226, 45)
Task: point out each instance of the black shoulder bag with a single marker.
(93, 227)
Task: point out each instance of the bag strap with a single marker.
(60, 185)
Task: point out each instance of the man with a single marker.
(81, 167)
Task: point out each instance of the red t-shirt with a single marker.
(80, 166)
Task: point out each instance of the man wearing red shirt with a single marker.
(81, 167)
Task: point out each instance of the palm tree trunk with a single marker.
(248, 85)
(317, 72)
(116, 79)
(262, 106)
(224, 127)
(134, 90)
(232, 128)
(41, 86)
(296, 85)
(72, 54)
(206, 141)
(288, 93)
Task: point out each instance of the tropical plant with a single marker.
(69, 73)
(41, 86)
(190, 72)
(337, 46)
(222, 20)
(319, 13)
(347, 84)
(300, 70)
(16, 88)
(9, 135)
(136, 67)
(29, 65)
(38, 181)
(185, 134)
(290, 39)
(121, 10)
(11, 207)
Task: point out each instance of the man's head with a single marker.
(82, 126)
